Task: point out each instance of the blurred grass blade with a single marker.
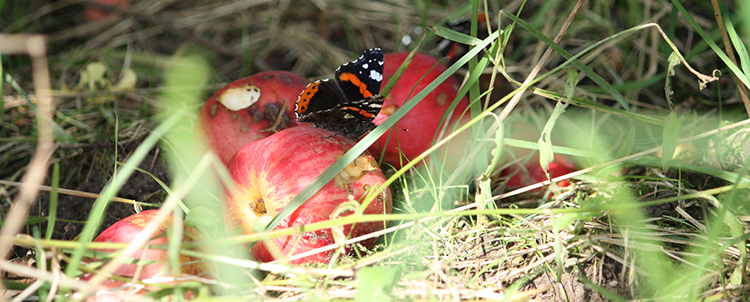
(454, 35)
(583, 102)
(52, 216)
(376, 283)
(652, 161)
(737, 43)
(670, 137)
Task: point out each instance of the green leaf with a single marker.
(672, 62)
(546, 155)
(497, 152)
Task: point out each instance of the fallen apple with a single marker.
(124, 231)
(119, 291)
(155, 266)
(415, 132)
(270, 172)
(533, 173)
(248, 109)
(115, 291)
(92, 13)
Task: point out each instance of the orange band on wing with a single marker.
(305, 97)
(350, 77)
(359, 111)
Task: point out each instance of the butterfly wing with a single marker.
(321, 95)
(361, 78)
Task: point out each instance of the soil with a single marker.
(605, 273)
(90, 171)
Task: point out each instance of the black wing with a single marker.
(319, 96)
(361, 78)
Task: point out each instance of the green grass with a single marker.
(658, 210)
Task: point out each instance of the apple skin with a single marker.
(270, 172)
(533, 173)
(93, 14)
(414, 133)
(117, 291)
(124, 231)
(253, 106)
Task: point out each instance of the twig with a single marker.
(36, 47)
(69, 192)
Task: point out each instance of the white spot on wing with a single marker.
(376, 75)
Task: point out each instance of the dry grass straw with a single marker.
(35, 47)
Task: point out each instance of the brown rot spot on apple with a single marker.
(214, 109)
(276, 114)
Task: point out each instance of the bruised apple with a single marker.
(248, 109)
(415, 132)
(270, 172)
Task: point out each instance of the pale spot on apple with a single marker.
(389, 109)
(442, 99)
(238, 98)
(355, 170)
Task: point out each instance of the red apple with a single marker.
(415, 132)
(270, 172)
(124, 231)
(533, 173)
(116, 291)
(248, 109)
(93, 13)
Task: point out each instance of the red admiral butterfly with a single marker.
(347, 104)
